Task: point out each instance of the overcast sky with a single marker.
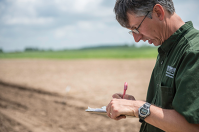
(60, 24)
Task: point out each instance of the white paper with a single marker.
(102, 109)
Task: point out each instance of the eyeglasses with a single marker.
(136, 29)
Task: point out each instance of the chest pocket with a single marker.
(165, 97)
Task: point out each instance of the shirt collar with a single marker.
(170, 42)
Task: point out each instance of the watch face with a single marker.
(143, 111)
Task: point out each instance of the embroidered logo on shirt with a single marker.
(170, 71)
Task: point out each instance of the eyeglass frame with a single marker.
(136, 29)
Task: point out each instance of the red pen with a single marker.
(125, 88)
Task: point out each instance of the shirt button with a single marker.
(162, 62)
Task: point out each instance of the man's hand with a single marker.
(118, 108)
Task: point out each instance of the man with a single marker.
(173, 92)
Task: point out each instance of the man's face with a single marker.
(150, 29)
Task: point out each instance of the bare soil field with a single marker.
(52, 95)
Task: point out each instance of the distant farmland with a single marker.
(116, 52)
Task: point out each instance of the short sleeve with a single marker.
(186, 99)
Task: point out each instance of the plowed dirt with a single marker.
(35, 96)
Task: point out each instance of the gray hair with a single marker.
(139, 8)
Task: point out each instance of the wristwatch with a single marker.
(144, 111)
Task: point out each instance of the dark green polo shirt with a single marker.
(174, 82)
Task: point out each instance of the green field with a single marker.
(95, 53)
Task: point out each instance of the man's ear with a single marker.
(159, 12)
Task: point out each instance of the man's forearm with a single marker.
(170, 120)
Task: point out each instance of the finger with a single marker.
(129, 97)
(112, 114)
(108, 110)
(117, 96)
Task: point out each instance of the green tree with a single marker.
(1, 50)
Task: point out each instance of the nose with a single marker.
(137, 37)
